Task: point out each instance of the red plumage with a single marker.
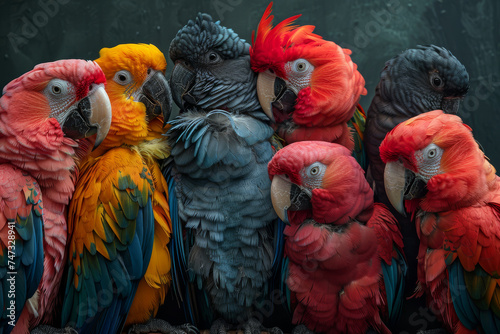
(327, 97)
(336, 247)
(458, 219)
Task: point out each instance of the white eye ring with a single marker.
(122, 77)
(431, 153)
(58, 87)
(314, 171)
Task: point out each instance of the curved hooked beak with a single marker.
(402, 184)
(156, 95)
(91, 115)
(287, 196)
(450, 105)
(181, 81)
(275, 97)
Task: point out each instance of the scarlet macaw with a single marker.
(436, 171)
(311, 86)
(346, 265)
(416, 81)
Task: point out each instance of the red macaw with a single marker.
(310, 85)
(43, 114)
(118, 218)
(437, 172)
(346, 267)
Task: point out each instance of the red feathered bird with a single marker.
(311, 85)
(346, 268)
(436, 170)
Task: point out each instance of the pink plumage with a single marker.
(33, 140)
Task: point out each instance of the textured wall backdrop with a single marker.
(35, 31)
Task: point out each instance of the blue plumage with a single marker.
(467, 311)
(394, 282)
(224, 230)
(225, 203)
(26, 259)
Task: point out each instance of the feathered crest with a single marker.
(268, 44)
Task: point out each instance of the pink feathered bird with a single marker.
(42, 114)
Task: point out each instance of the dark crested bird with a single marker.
(223, 243)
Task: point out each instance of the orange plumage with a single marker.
(121, 185)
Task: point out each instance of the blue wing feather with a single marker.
(394, 281)
(26, 253)
(468, 313)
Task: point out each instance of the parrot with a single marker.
(44, 114)
(119, 215)
(310, 85)
(222, 218)
(436, 172)
(346, 264)
(416, 81)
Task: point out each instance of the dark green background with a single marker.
(35, 31)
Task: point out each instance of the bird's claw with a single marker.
(161, 326)
(44, 329)
(301, 329)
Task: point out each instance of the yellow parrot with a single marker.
(119, 222)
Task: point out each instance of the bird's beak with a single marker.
(402, 184)
(156, 95)
(287, 196)
(275, 97)
(91, 115)
(181, 81)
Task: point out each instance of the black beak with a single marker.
(181, 81)
(451, 105)
(299, 199)
(414, 187)
(156, 96)
(287, 196)
(284, 105)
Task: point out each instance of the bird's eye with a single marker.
(436, 80)
(58, 87)
(213, 57)
(301, 65)
(123, 77)
(315, 170)
(432, 152)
